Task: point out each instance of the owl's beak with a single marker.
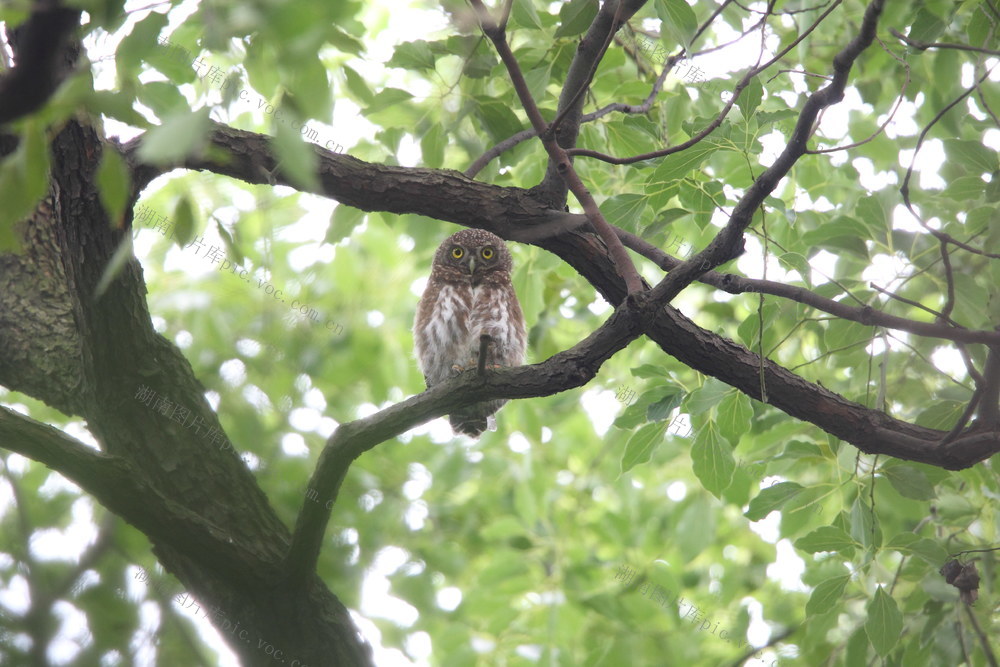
(472, 265)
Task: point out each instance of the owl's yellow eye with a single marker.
(487, 253)
(457, 252)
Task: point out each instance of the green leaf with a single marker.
(967, 188)
(796, 262)
(181, 134)
(735, 415)
(662, 408)
(635, 413)
(926, 27)
(842, 233)
(24, 178)
(975, 157)
(827, 538)
(650, 371)
(413, 55)
(344, 42)
(184, 224)
(929, 550)
(113, 182)
(640, 446)
(826, 595)
(713, 461)
(385, 98)
(884, 624)
(750, 98)
(624, 210)
(909, 482)
(308, 88)
(498, 118)
(357, 85)
(678, 165)
(941, 414)
(678, 19)
(343, 221)
(695, 527)
(432, 146)
(575, 17)
(175, 62)
(771, 499)
(120, 257)
(116, 105)
(296, 158)
(142, 41)
(163, 98)
(863, 524)
(524, 15)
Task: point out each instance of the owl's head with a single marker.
(472, 254)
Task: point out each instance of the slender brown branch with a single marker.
(735, 284)
(558, 155)
(905, 187)
(585, 83)
(728, 243)
(949, 304)
(984, 641)
(923, 46)
(712, 126)
(916, 304)
(888, 119)
(989, 407)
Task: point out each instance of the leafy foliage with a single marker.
(507, 549)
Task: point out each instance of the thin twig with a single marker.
(735, 284)
(711, 127)
(888, 119)
(905, 187)
(558, 155)
(983, 639)
(949, 304)
(923, 46)
(916, 304)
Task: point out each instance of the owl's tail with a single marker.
(473, 423)
(470, 426)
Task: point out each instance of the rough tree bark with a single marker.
(88, 353)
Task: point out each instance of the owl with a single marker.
(468, 295)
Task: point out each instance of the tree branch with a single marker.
(556, 153)
(728, 243)
(37, 70)
(923, 46)
(571, 368)
(736, 284)
(448, 195)
(118, 486)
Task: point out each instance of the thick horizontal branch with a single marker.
(571, 368)
(871, 431)
(512, 213)
(120, 487)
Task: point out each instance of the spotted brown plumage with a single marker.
(469, 294)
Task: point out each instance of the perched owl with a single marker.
(469, 294)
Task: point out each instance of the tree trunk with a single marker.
(98, 356)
